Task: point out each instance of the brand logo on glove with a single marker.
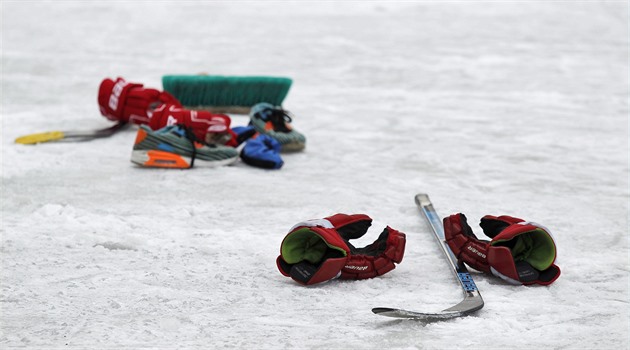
(116, 91)
(477, 252)
(171, 120)
(358, 268)
(217, 125)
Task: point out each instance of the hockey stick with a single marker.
(472, 298)
(74, 136)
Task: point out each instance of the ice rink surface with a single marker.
(516, 107)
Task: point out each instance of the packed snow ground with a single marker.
(516, 108)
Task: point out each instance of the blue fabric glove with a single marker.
(262, 151)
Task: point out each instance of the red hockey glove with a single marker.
(209, 127)
(130, 102)
(520, 252)
(319, 250)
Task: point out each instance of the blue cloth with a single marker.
(262, 151)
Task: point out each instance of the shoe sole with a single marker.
(161, 159)
(292, 147)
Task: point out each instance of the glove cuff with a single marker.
(312, 254)
(306, 273)
(524, 253)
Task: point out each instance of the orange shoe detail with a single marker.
(140, 136)
(161, 159)
(269, 126)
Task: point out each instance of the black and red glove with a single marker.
(130, 102)
(315, 251)
(520, 252)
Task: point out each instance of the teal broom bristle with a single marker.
(199, 91)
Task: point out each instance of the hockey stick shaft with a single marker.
(460, 270)
(49, 136)
(472, 299)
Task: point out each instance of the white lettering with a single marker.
(113, 102)
(171, 120)
(358, 268)
(476, 252)
(117, 89)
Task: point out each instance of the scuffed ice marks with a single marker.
(72, 226)
(114, 246)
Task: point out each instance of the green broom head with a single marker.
(226, 93)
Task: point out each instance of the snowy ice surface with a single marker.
(516, 107)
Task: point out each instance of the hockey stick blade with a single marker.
(465, 307)
(75, 136)
(472, 298)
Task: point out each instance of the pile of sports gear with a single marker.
(176, 146)
(199, 134)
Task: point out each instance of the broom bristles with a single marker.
(226, 92)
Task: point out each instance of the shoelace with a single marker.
(190, 136)
(279, 119)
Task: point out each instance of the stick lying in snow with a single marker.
(84, 135)
(472, 298)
